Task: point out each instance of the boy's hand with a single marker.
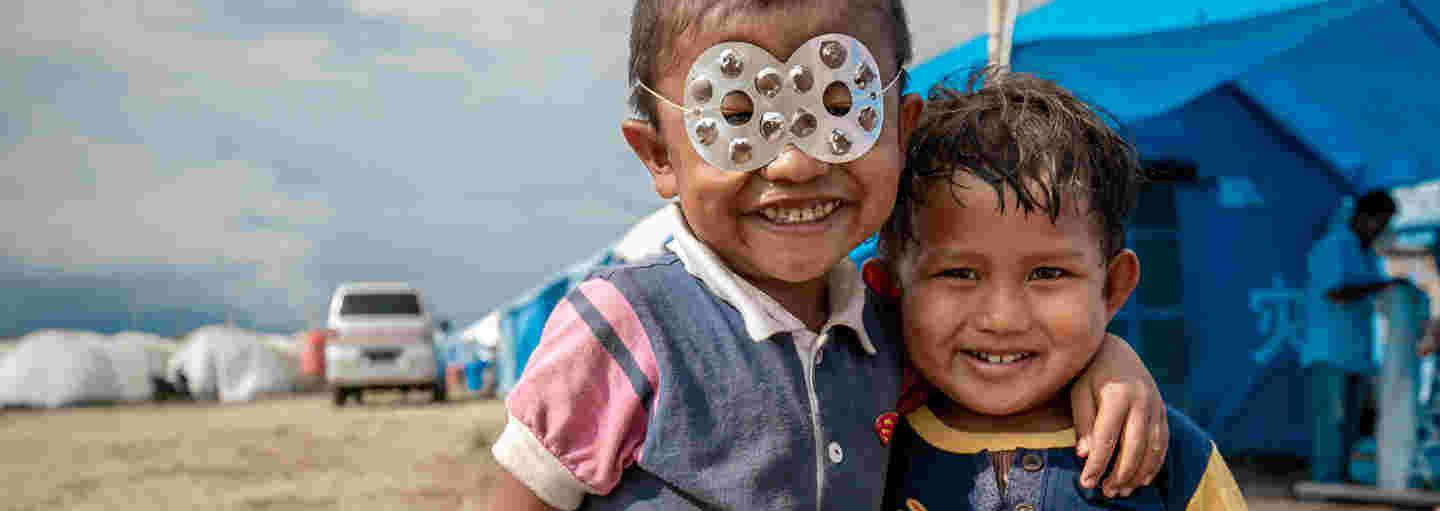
(1116, 395)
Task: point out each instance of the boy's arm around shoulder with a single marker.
(1196, 476)
(1119, 414)
(578, 416)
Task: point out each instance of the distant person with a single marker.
(1337, 352)
(748, 368)
(1009, 269)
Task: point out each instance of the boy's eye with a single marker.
(837, 99)
(959, 273)
(737, 108)
(1047, 273)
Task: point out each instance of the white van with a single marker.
(380, 339)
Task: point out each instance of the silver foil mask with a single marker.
(787, 101)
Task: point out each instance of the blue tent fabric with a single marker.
(1352, 80)
(1240, 263)
(864, 252)
(1374, 123)
(1283, 107)
(1146, 68)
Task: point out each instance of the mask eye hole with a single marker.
(837, 99)
(737, 108)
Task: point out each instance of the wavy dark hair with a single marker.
(1021, 132)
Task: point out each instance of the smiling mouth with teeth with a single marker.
(999, 358)
(813, 212)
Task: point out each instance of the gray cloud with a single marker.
(255, 154)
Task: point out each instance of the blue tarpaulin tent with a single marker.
(1282, 108)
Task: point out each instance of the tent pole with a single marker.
(1422, 20)
(1001, 30)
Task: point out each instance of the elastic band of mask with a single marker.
(658, 96)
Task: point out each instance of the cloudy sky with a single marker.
(166, 164)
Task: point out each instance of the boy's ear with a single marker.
(646, 143)
(911, 106)
(1122, 274)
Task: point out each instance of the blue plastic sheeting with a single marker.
(455, 351)
(864, 252)
(1351, 81)
(1228, 255)
(1142, 73)
(1283, 107)
(475, 374)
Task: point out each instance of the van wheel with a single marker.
(340, 395)
(439, 393)
(359, 396)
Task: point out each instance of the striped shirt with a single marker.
(938, 467)
(677, 383)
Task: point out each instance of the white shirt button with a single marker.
(836, 454)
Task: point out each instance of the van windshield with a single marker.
(368, 304)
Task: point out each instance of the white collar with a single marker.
(763, 316)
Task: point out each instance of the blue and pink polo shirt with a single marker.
(677, 384)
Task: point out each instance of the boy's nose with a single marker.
(795, 166)
(1003, 311)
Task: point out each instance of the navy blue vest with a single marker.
(731, 425)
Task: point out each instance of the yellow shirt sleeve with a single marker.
(1217, 490)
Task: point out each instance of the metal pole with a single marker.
(1001, 30)
(1397, 427)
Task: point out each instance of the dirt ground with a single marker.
(290, 453)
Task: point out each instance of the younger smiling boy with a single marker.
(1008, 247)
(748, 367)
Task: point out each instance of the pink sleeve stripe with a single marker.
(625, 323)
(580, 401)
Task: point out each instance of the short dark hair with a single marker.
(1374, 202)
(1024, 133)
(654, 27)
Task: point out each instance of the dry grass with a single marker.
(284, 454)
(289, 453)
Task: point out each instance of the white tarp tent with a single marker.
(53, 368)
(485, 332)
(233, 364)
(484, 338)
(157, 349)
(648, 236)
